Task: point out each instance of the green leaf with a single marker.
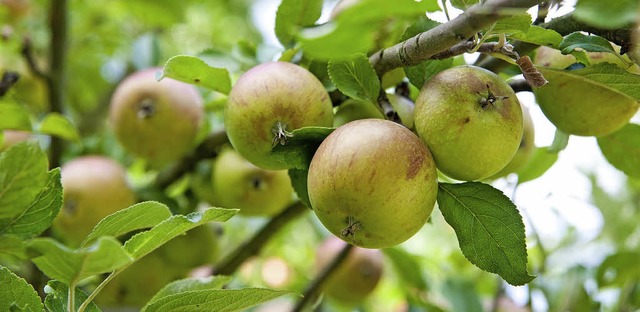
(219, 300)
(356, 78)
(24, 173)
(419, 74)
(58, 125)
(292, 15)
(39, 215)
(540, 36)
(489, 229)
(407, 267)
(71, 266)
(139, 216)
(541, 160)
(604, 75)
(143, 243)
(12, 245)
(588, 43)
(14, 116)
(622, 149)
(58, 295)
(421, 24)
(606, 14)
(190, 284)
(299, 182)
(619, 269)
(300, 148)
(193, 70)
(462, 295)
(463, 4)
(516, 24)
(16, 292)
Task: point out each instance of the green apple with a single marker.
(10, 138)
(351, 110)
(157, 121)
(578, 106)
(135, 286)
(196, 248)
(526, 148)
(356, 277)
(93, 188)
(237, 183)
(266, 103)
(471, 121)
(404, 107)
(373, 183)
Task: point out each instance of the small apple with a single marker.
(157, 121)
(356, 277)
(195, 248)
(237, 183)
(351, 110)
(372, 182)
(93, 188)
(527, 146)
(471, 121)
(10, 138)
(266, 103)
(576, 105)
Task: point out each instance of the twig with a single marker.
(424, 45)
(253, 245)
(315, 288)
(9, 78)
(27, 53)
(207, 149)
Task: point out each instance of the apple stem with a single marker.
(280, 134)
(315, 288)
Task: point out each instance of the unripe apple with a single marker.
(356, 277)
(157, 121)
(527, 145)
(237, 183)
(268, 101)
(93, 188)
(351, 110)
(195, 248)
(12, 137)
(577, 106)
(372, 182)
(471, 121)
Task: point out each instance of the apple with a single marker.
(577, 106)
(471, 121)
(93, 188)
(195, 248)
(269, 101)
(373, 183)
(237, 183)
(526, 148)
(351, 110)
(356, 277)
(157, 121)
(10, 138)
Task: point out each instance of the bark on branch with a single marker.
(440, 38)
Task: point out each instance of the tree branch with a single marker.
(315, 288)
(427, 44)
(57, 76)
(207, 149)
(27, 53)
(254, 245)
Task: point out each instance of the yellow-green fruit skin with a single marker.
(351, 110)
(93, 188)
(470, 137)
(268, 94)
(237, 183)
(525, 151)
(372, 183)
(356, 277)
(157, 121)
(578, 106)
